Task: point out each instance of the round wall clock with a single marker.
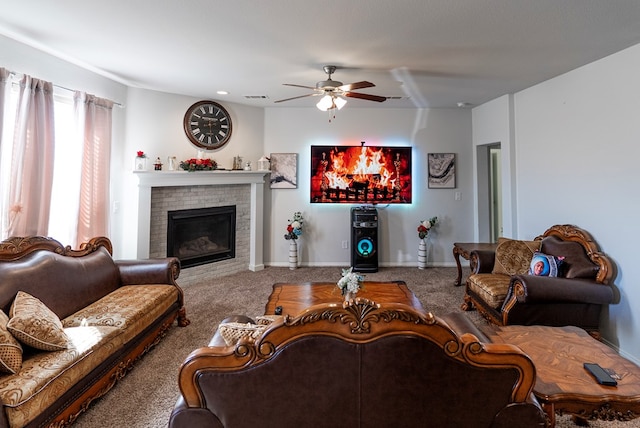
(207, 125)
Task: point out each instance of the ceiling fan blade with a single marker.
(356, 85)
(299, 86)
(365, 96)
(295, 98)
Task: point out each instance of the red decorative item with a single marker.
(198, 164)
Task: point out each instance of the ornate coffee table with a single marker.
(562, 384)
(294, 298)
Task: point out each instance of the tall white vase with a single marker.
(293, 254)
(422, 254)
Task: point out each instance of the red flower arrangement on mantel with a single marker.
(198, 165)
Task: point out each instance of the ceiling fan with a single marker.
(334, 90)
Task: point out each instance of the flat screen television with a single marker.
(360, 175)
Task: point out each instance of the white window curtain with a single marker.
(31, 165)
(5, 90)
(4, 94)
(93, 115)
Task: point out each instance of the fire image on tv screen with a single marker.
(360, 175)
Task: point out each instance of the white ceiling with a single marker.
(432, 53)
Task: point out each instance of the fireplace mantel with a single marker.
(147, 180)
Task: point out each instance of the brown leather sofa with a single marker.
(358, 365)
(111, 311)
(513, 296)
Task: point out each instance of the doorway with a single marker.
(495, 192)
(489, 158)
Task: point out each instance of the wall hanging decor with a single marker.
(442, 170)
(284, 170)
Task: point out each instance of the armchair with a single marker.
(504, 293)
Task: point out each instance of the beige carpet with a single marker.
(145, 397)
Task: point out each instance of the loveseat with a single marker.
(503, 285)
(73, 322)
(359, 364)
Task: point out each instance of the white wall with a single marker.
(493, 123)
(294, 130)
(577, 146)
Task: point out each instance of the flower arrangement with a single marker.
(198, 164)
(425, 226)
(294, 228)
(350, 282)
(140, 154)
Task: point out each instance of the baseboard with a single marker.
(345, 264)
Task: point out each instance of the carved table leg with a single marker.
(456, 256)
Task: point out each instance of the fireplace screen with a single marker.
(203, 235)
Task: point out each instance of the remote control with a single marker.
(601, 376)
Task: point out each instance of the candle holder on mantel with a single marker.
(264, 164)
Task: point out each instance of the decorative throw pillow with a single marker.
(35, 325)
(267, 319)
(545, 265)
(513, 256)
(232, 332)
(10, 349)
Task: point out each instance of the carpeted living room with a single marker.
(184, 187)
(146, 396)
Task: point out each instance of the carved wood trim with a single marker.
(16, 247)
(359, 321)
(569, 232)
(605, 412)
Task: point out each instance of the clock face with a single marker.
(207, 125)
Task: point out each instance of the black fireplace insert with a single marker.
(202, 235)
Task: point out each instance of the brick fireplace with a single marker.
(162, 192)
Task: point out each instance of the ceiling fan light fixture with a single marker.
(325, 103)
(331, 102)
(339, 102)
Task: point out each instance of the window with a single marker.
(81, 137)
(66, 173)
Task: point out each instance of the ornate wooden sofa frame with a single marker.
(573, 299)
(359, 364)
(118, 310)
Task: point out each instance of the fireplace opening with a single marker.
(202, 235)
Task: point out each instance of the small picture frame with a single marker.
(284, 171)
(442, 170)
